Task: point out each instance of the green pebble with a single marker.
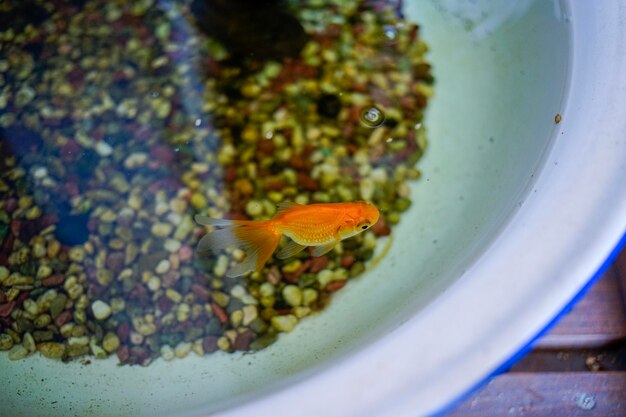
(110, 342)
(263, 341)
(402, 204)
(366, 254)
(51, 350)
(357, 269)
(6, 341)
(29, 342)
(284, 323)
(309, 296)
(74, 351)
(254, 208)
(292, 295)
(307, 280)
(324, 277)
(393, 217)
(4, 273)
(19, 352)
(292, 266)
(57, 305)
(42, 321)
(43, 335)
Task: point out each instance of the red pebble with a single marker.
(231, 173)
(201, 292)
(165, 304)
(243, 340)
(7, 308)
(335, 286)
(318, 263)
(347, 261)
(23, 296)
(10, 205)
(185, 253)
(63, 318)
(307, 183)
(294, 276)
(219, 312)
(123, 331)
(72, 188)
(123, 354)
(381, 228)
(70, 151)
(15, 227)
(53, 280)
(209, 344)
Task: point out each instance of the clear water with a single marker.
(121, 127)
(496, 95)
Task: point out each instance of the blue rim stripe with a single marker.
(621, 244)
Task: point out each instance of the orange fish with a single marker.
(319, 225)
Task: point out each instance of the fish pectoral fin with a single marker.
(292, 248)
(323, 249)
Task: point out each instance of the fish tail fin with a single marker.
(257, 239)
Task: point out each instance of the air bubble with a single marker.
(390, 32)
(372, 116)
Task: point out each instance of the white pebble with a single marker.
(250, 313)
(154, 283)
(367, 189)
(135, 160)
(182, 349)
(162, 229)
(172, 245)
(238, 291)
(369, 241)
(174, 218)
(40, 173)
(104, 149)
(163, 266)
(101, 310)
(167, 353)
(161, 208)
(379, 175)
(220, 266)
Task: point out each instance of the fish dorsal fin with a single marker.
(286, 205)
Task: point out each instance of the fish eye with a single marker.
(365, 226)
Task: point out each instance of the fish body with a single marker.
(318, 225)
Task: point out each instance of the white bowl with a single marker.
(513, 217)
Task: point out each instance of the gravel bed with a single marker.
(119, 121)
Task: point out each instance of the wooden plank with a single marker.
(611, 358)
(598, 319)
(548, 394)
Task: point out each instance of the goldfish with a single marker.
(319, 225)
